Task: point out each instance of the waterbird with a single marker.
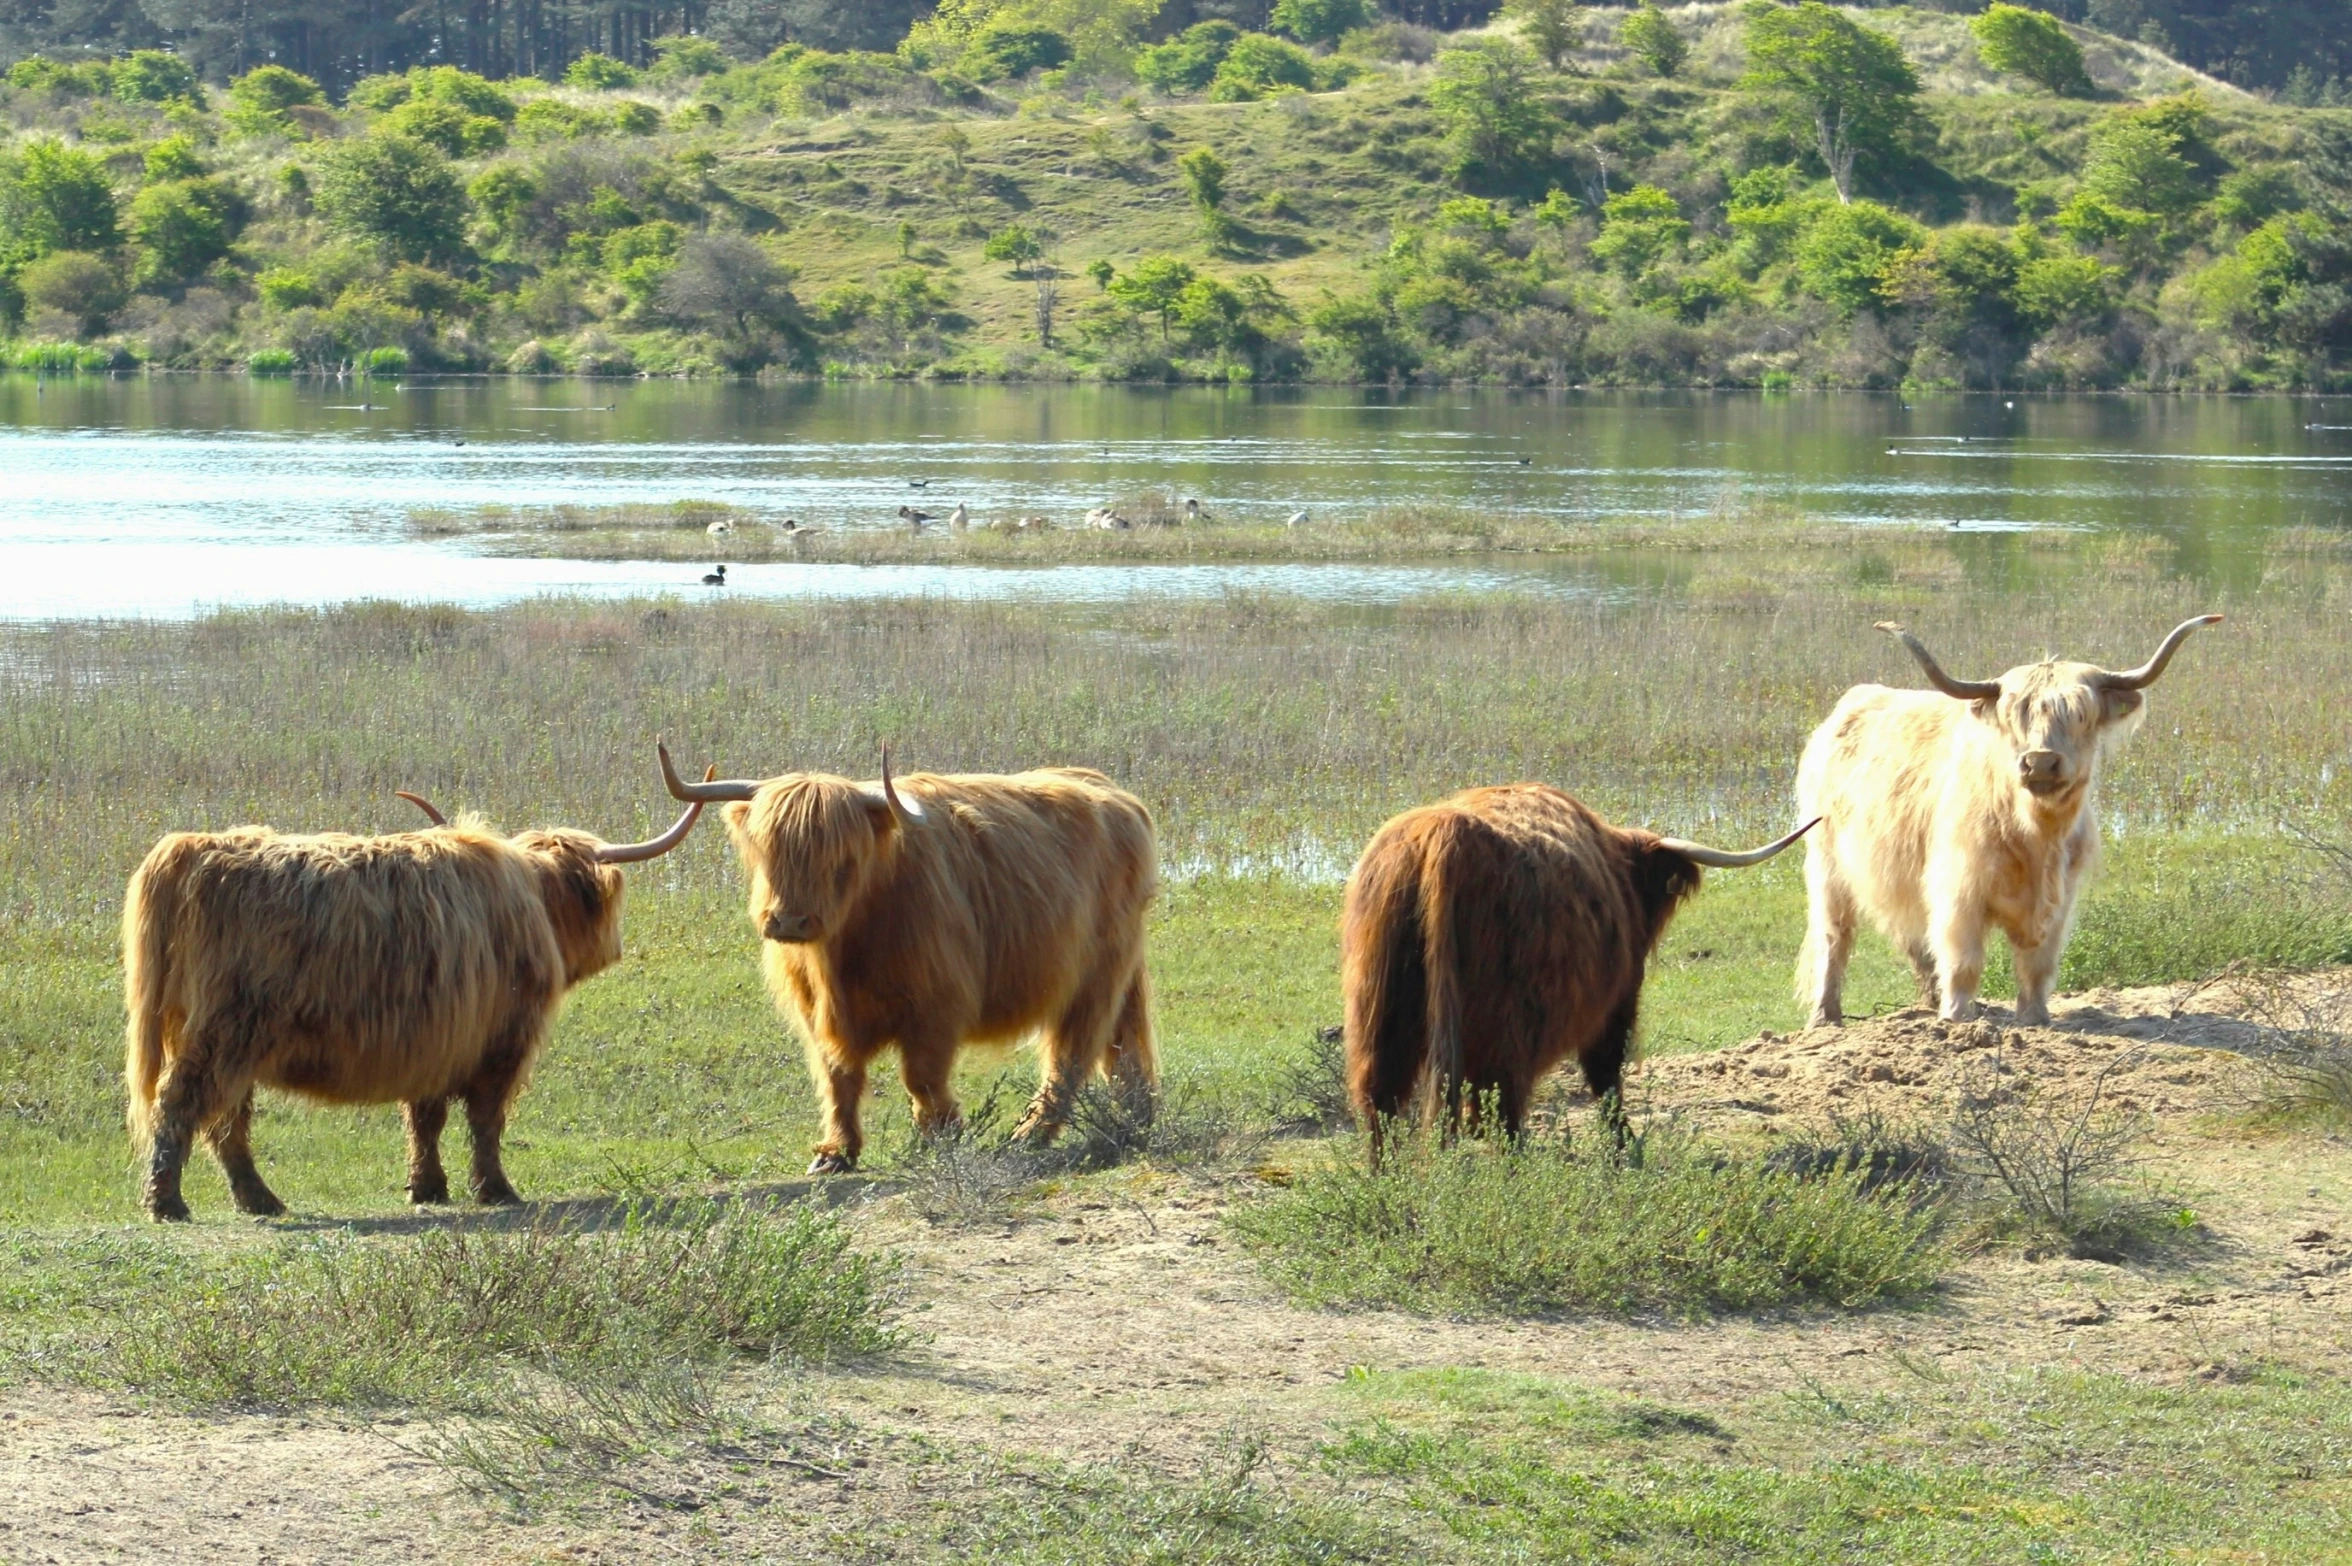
(1297, 519)
(721, 528)
(716, 578)
(1192, 510)
(1527, 462)
(913, 518)
(792, 525)
(918, 483)
(1105, 517)
(959, 518)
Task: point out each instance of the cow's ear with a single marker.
(737, 813)
(2115, 706)
(884, 818)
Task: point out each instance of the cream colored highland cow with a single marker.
(1949, 811)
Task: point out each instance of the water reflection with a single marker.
(162, 495)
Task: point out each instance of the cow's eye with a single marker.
(841, 878)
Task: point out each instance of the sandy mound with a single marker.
(2166, 1051)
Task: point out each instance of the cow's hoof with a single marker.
(832, 1163)
(497, 1194)
(430, 1193)
(169, 1209)
(263, 1203)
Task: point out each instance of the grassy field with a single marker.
(1269, 736)
(629, 1345)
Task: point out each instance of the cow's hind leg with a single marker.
(427, 1181)
(193, 1094)
(1829, 941)
(487, 1098)
(1131, 1061)
(231, 1137)
(1604, 1067)
(1072, 1051)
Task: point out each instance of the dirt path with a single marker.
(1116, 1321)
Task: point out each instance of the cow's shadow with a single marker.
(590, 1214)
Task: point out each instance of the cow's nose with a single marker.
(2041, 766)
(788, 927)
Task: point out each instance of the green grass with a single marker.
(1681, 1230)
(2048, 1465)
(442, 1319)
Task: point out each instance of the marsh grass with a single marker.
(1159, 534)
(1485, 1228)
(439, 1320)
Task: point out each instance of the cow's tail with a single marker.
(1441, 969)
(147, 919)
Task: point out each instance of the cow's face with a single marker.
(2056, 721)
(583, 898)
(813, 846)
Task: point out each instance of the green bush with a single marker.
(1319, 21)
(49, 358)
(183, 227)
(74, 283)
(1004, 51)
(155, 76)
(1485, 1227)
(270, 361)
(58, 197)
(384, 361)
(632, 118)
(398, 192)
(447, 126)
(680, 58)
(1257, 65)
(2033, 45)
(1654, 40)
(1187, 62)
(259, 99)
(1844, 255)
(552, 119)
(599, 72)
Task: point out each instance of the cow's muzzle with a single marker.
(2043, 772)
(789, 928)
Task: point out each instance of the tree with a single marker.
(57, 197)
(1318, 21)
(599, 72)
(1485, 94)
(74, 283)
(2135, 162)
(727, 282)
(1552, 28)
(1844, 256)
(1852, 82)
(1016, 243)
(183, 227)
(2033, 45)
(397, 192)
(1005, 51)
(1204, 181)
(1257, 65)
(1639, 228)
(1187, 62)
(1356, 338)
(259, 99)
(154, 76)
(1153, 287)
(1654, 40)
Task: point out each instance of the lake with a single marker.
(170, 495)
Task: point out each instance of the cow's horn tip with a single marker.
(1891, 627)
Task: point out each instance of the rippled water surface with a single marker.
(170, 495)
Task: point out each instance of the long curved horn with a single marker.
(423, 804)
(2145, 675)
(654, 847)
(900, 806)
(1724, 858)
(1961, 690)
(706, 791)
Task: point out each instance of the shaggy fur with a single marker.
(1929, 829)
(411, 968)
(1490, 936)
(1011, 905)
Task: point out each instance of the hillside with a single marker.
(1397, 205)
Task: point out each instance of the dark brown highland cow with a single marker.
(1490, 936)
(931, 912)
(410, 968)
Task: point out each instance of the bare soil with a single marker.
(1113, 1319)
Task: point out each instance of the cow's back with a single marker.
(1006, 894)
(353, 969)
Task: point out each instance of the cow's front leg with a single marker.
(927, 1065)
(427, 1180)
(1958, 941)
(840, 1085)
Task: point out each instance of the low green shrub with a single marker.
(1480, 1227)
(385, 361)
(271, 361)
